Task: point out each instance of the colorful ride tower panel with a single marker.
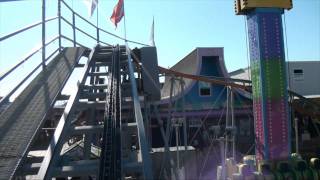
(269, 83)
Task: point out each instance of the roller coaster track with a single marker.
(110, 159)
(22, 120)
(110, 166)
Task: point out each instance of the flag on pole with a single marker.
(118, 13)
(91, 5)
(152, 34)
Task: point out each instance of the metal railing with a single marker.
(59, 37)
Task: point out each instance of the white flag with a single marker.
(152, 34)
(91, 4)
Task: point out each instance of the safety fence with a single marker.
(59, 37)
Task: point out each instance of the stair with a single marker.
(23, 118)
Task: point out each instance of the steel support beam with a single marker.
(55, 146)
(171, 164)
(145, 154)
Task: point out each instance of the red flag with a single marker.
(118, 13)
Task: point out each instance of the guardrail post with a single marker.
(59, 23)
(43, 34)
(74, 29)
(98, 39)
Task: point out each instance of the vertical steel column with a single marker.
(59, 23)
(185, 133)
(177, 125)
(169, 123)
(297, 134)
(227, 124)
(74, 29)
(233, 126)
(223, 158)
(185, 136)
(43, 34)
(98, 38)
(170, 163)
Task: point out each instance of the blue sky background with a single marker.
(180, 27)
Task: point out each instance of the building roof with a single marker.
(243, 73)
(205, 62)
(191, 64)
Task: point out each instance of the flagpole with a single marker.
(97, 22)
(97, 15)
(125, 27)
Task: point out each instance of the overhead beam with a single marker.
(86, 129)
(76, 169)
(200, 78)
(85, 167)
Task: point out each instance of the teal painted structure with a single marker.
(207, 62)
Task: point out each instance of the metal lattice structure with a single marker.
(118, 90)
(37, 101)
(23, 118)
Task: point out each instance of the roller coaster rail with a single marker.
(111, 146)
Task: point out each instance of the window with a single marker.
(298, 74)
(298, 71)
(204, 89)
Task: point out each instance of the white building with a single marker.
(303, 76)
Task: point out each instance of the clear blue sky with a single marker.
(180, 26)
